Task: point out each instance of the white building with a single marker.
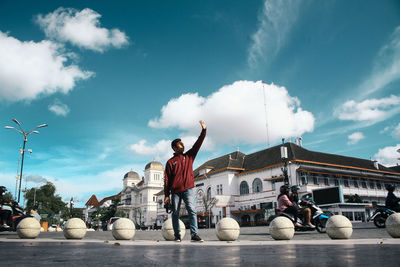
(246, 186)
(138, 199)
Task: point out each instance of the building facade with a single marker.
(245, 187)
(138, 196)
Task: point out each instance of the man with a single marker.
(392, 202)
(5, 211)
(179, 183)
(305, 211)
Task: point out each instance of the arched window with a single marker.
(244, 188)
(257, 185)
(209, 193)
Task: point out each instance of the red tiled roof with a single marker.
(92, 201)
(109, 198)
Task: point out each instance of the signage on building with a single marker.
(328, 195)
(266, 205)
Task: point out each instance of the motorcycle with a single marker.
(318, 217)
(380, 215)
(17, 214)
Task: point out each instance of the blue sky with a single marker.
(118, 80)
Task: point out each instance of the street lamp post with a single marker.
(25, 134)
(284, 157)
(71, 205)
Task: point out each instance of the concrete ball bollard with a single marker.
(51, 229)
(168, 231)
(75, 228)
(123, 229)
(393, 225)
(227, 229)
(281, 228)
(339, 227)
(28, 228)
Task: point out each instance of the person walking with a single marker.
(179, 184)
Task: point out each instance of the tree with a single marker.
(7, 197)
(47, 201)
(353, 199)
(104, 214)
(208, 204)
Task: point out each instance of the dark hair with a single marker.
(283, 189)
(173, 143)
(390, 187)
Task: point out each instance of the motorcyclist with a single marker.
(5, 212)
(285, 205)
(302, 209)
(392, 202)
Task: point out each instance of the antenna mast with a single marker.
(266, 114)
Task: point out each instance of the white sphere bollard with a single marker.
(281, 228)
(168, 231)
(393, 225)
(339, 227)
(123, 229)
(227, 229)
(75, 228)
(51, 229)
(28, 228)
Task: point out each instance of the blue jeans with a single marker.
(189, 198)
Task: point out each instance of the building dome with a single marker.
(132, 174)
(154, 165)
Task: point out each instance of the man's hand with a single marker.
(203, 125)
(166, 200)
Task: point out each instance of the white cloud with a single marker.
(396, 132)
(236, 112)
(275, 22)
(354, 138)
(97, 182)
(59, 108)
(370, 110)
(8, 180)
(388, 156)
(29, 69)
(384, 130)
(162, 149)
(80, 28)
(386, 67)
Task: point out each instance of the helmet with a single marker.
(3, 189)
(284, 189)
(295, 188)
(390, 187)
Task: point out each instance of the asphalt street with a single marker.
(368, 246)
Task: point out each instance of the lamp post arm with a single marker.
(10, 127)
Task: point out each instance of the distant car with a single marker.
(110, 223)
(201, 221)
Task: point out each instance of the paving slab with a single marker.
(368, 246)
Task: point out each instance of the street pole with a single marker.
(71, 203)
(34, 197)
(25, 134)
(22, 167)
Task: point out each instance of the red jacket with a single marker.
(179, 175)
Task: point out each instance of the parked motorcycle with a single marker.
(380, 215)
(17, 214)
(318, 217)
